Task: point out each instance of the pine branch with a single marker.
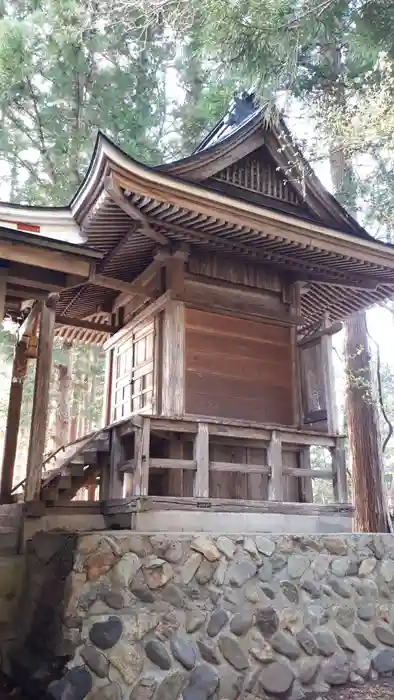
(43, 146)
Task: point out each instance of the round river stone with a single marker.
(183, 652)
(267, 621)
(158, 654)
(277, 678)
(106, 634)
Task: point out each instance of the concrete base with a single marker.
(66, 522)
(233, 523)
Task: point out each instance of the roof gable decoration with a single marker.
(258, 173)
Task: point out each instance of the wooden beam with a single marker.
(311, 339)
(41, 399)
(274, 458)
(201, 456)
(34, 277)
(19, 369)
(116, 194)
(27, 327)
(44, 258)
(140, 284)
(89, 325)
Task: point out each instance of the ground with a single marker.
(383, 690)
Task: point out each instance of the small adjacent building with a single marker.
(215, 284)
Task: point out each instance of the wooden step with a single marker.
(76, 468)
(50, 494)
(89, 455)
(64, 482)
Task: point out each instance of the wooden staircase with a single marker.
(73, 466)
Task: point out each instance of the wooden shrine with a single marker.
(215, 284)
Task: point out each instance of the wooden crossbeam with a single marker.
(116, 194)
(314, 337)
(43, 257)
(141, 282)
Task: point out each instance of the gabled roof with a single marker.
(243, 130)
(124, 209)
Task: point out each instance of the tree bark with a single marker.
(368, 494)
(364, 440)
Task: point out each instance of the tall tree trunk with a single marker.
(363, 432)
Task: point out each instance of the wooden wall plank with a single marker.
(238, 369)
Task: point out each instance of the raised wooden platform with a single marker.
(165, 514)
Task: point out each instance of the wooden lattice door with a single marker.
(133, 373)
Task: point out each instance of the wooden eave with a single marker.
(344, 272)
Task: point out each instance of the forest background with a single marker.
(155, 76)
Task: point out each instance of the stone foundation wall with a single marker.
(161, 617)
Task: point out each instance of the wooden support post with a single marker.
(41, 399)
(19, 369)
(306, 481)
(115, 487)
(274, 458)
(201, 456)
(173, 375)
(339, 473)
(142, 449)
(107, 394)
(329, 380)
(103, 459)
(175, 476)
(175, 274)
(3, 291)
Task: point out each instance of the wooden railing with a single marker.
(130, 477)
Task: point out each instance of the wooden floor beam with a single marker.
(41, 399)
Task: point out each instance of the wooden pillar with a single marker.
(338, 457)
(115, 488)
(3, 291)
(19, 369)
(41, 399)
(329, 379)
(201, 456)
(274, 458)
(173, 375)
(107, 398)
(175, 476)
(142, 450)
(304, 457)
